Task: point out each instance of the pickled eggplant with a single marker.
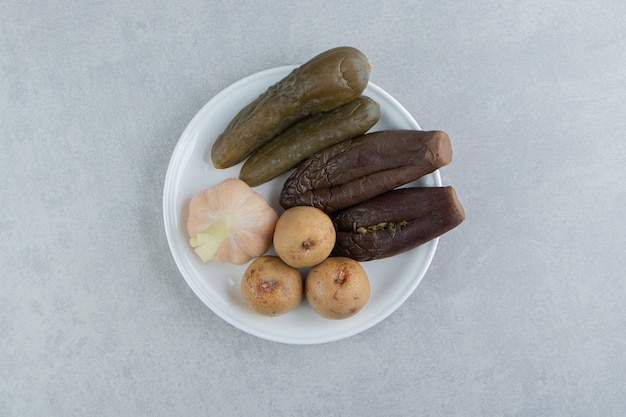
(396, 222)
(308, 136)
(329, 80)
(364, 167)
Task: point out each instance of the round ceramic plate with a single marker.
(190, 170)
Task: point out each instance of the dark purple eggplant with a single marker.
(396, 222)
(358, 169)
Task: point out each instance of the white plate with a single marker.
(392, 280)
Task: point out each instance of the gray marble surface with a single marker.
(522, 312)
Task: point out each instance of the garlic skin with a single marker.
(248, 218)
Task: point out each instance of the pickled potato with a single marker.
(270, 287)
(337, 288)
(304, 236)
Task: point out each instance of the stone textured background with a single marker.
(522, 312)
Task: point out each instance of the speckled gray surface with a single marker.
(522, 312)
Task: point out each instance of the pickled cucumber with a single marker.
(308, 136)
(329, 80)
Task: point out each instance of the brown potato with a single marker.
(337, 288)
(304, 236)
(270, 287)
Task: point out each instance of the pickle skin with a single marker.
(364, 167)
(308, 136)
(396, 222)
(330, 79)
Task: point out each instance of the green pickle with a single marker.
(307, 137)
(329, 80)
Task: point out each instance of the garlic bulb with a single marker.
(230, 223)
